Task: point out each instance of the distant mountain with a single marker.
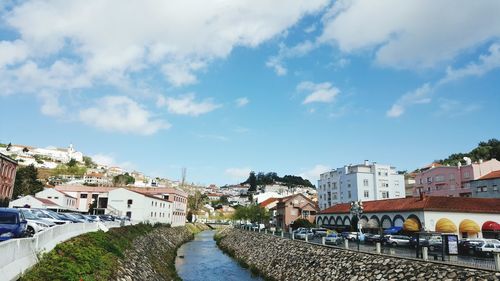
(485, 150)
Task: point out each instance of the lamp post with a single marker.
(356, 211)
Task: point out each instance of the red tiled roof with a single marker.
(430, 203)
(268, 201)
(46, 201)
(492, 175)
(148, 195)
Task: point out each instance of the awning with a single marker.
(411, 224)
(363, 222)
(446, 226)
(490, 226)
(372, 223)
(393, 230)
(469, 226)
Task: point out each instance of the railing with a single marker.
(401, 252)
(18, 255)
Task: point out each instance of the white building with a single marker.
(367, 181)
(62, 199)
(33, 202)
(140, 207)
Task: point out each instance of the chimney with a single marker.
(367, 163)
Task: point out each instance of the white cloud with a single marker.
(409, 34)
(299, 50)
(186, 105)
(423, 94)
(313, 174)
(12, 52)
(242, 101)
(418, 96)
(110, 161)
(238, 173)
(320, 92)
(50, 105)
(454, 108)
(121, 114)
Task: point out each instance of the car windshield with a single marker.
(29, 215)
(8, 218)
(40, 214)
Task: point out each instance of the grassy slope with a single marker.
(91, 256)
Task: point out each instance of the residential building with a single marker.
(54, 154)
(30, 201)
(97, 179)
(452, 181)
(487, 186)
(293, 207)
(466, 217)
(140, 207)
(88, 195)
(409, 184)
(62, 199)
(367, 181)
(7, 176)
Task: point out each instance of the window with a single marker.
(83, 195)
(495, 187)
(439, 178)
(466, 175)
(385, 194)
(56, 197)
(366, 193)
(305, 214)
(349, 194)
(397, 194)
(452, 176)
(294, 212)
(365, 182)
(348, 185)
(50, 197)
(429, 179)
(129, 202)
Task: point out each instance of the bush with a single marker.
(302, 223)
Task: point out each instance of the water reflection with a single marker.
(201, 259)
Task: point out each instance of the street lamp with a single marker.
(356, 211)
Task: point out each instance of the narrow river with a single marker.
(201, 260)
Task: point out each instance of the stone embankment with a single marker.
(152, 256)
(276, 258)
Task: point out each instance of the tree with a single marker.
(72, 163)
(122, 180)
(26, 182)
(302, 223)
(25, 150)
(252, 180)
(88, 162)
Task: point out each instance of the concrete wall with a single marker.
(18, 255)
(282, 259)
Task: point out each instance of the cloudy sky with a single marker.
(225, 87)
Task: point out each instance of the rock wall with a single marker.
(276, 258)
(152, 256)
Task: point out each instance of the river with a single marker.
(201, 259)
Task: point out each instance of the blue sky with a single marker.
(225, 87)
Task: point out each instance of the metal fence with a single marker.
(401, 252)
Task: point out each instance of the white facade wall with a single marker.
(359, 182)
(140, 207)
(57, 197)
(29, 200)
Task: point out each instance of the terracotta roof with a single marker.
(492, 175)
(430, 203)
(148, 195)
(46, 201)
(268, 201)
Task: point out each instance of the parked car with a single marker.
(334, 238)
(351, 236)
(68, 217)
(35, 224)
(12, 224)
(93, 218)
(372, 238)
(488, 249)
(106, 218)
(396, 240)
(471, 246)
(46, 217)
(258, 226)
(304, 233)
(80, 217)
(319, 232)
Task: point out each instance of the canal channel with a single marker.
(201, 259)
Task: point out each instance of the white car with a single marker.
(488, 249)
(304, 233)
(35, 226)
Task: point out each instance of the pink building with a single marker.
(452, 181)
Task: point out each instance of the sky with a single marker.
(225, 87)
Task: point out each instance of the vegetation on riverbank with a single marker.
(94, 255)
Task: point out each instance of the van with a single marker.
(13, 224)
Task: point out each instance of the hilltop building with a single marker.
(367, 181)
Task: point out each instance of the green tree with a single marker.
(122, 180)
(26, 182)
(302, 223)
(72, 163)
(88, 162)
(252, 180)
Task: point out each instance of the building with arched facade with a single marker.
(466, 217)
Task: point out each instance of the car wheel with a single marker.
(394, 244)
(30, 231)
(489, 254)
